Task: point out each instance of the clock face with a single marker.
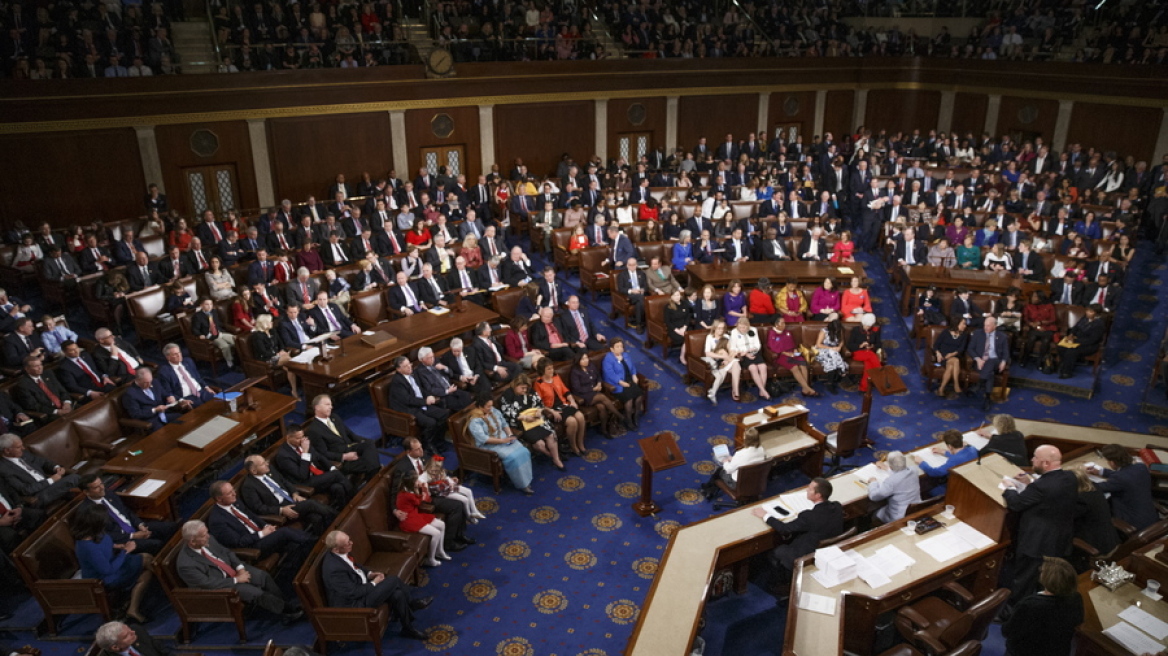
(440, 61)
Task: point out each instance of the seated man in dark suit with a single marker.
(438, 381)
(461, 370)
(172, 267)
(1029, 264)
(632, 283)
(549, 335)
(349, 585)
(127, 249)
(294, 330)
(910, 251)
(487, 355)
(1087, 336)
(122, 524)
(22, 342)
(621, 248)
(80, 374)
(13, 418)
(432, 287)
(205, 325)
(329, 318)
(230, 250)
(465, 280)
(824, 520)
(990, 350)
(1067, 290)
(579, 329)
(180, 378)
(406, 395)
(262, 270)
(17, 521)
(147, 400)
(28, 475)
(737, 249)
(517, 269)
(331, 438)
(117, 639)
(413, 462)
(490, 275)
(236, 528)
(1128, 484)
(265, 492)
(39, 391)
(1103, 293)
(140, 274)
(300, 465)
(773, 248)
(205, 564)
(1104, 267)
(116, 357)
(551, 291)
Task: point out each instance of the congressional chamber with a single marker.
(533, 334)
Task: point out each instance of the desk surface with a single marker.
(720, 275)
(995, 282)
(1088, 435)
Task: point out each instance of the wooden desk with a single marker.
(164, 457)
(1067, 437)
(786, 435)
(720, 275)
(1101, 608)
(992, 282)
(360, 361)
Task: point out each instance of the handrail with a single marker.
(215, 45)
(758, 31)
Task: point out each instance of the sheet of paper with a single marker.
(817, 603)
(1146, 622)
(825, 580)
(868, 570)
(721, 451)
(891, 560)
(796, 502)
(147, 487)
(927, 455)
(870, 470)
(944, 547)
(1132, 639)
(971, 535)
(976, 441)
(772, 514)
(307, 355)
(847, 271)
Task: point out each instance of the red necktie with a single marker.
(283, 243)
(215, 232)
(304, 292)
(211, 322)
(52, 397)
(87, 370)
(202, 262)
(243, 518)
(126, 361)
(418, 464)
(311, 467)
(219, 563)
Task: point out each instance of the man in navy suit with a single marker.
(127, 247)
(349, 585)
(294, 331)
(236, 528)
(329, 318)
(1128, 485)
(147, 400)
(121, 523)
(140, 274)
(621, 247)
(551, 292)
(990, 350)
(261, 270)
(209, 230)
(180, 378)
(266, 492)
(578, 327)
(80, 374)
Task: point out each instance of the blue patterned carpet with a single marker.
(564, 572)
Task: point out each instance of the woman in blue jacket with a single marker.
(621, 374)
(115, 565)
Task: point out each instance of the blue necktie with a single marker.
(276, 489)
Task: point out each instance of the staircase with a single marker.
(612, 47)
(418, 35)
(192, 40)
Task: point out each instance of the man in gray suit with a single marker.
(207, 565)
(901, 488)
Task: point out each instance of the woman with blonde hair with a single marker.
(266, 347)
(717, 355)
(746, 345)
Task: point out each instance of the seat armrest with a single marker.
(135, 424)
(1082, 545)
(389, 541)
(915, 618)
(278, 520)
(427, 508)
(931, 644)
(1127, 529)
(964, 597)
(247, 555)
(35, 415)
(97, 446)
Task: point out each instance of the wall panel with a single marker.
(175, 153)
(837, 114)
(792, 107)
(902, 110)
(620, 120)
(713, 116)
(71, 177)
(420, 134)
(539, 133)
(1027, 116)
(308, 152)
(1126, 130)
(969, 113)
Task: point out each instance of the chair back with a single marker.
(851, 434)
(506, 301)
(924, 503)
(368, 308)
(1141, 539)
(837, 539)
(975, 621)
(752, 481)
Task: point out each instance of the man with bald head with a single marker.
(1046, 521)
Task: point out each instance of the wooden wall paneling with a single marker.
(420, 134)
(969, 113)
(713, 116)
(837, 113)
(71, 177)
(1126, 130)
(620, 121)
(175, 153)
(791, 107)
(902, 110)
(539, 133)
(1027, 116)
(308, 152)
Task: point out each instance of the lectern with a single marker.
(658, 453)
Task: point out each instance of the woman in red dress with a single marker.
(411, 520)
(181, 236)
(241, 316)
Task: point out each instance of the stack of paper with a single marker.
(147, 487)
(817, 603)
(974, 537)
(307, 355)
(934, 459)
(1145, 621)
(1132, 639)
(796, 502)
(869, 570)
(720, 452)
(870, 470)
(833, 567)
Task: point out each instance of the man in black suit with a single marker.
(60, 266)
(990, 350)
(1104, 293)
(437, 380)
(195, 259)
(490, 275)
(262, 270)
(94, 258)
(812, 247)
(1104, 267)
(1068, 290)
(279, 240)
(632, 283)
(331, 438)
(459, 367)
(173, 266)
(210, 231)
(488, 355)
(465, 279)
(1087, 335)
(115, 356)
(824, 520)
(121, 523)
(118, 639)
(329, 318)
(22, 342)
(910, 251)
(236, 528)
(455, 511)
(17, 521)
(1029, 264)
(79, 373)
(405, 296)
(26, 474)
(300, 465)
(205, 326)
(265, 492)
(230, 251)
(963, 307)
(13, 418)
(294, 330)
(140, 274)
(406, 395)
(1046, 517)
(517, 269)
(205, 564)
(432, 288)
(551, 291)
(349, 585)
(549, 336)
(40, 391)
(578, 328)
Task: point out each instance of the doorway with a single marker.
(452, 157)
(214, 188)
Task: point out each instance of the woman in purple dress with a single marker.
(734, 303)
(787, 355)
(825, 301)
